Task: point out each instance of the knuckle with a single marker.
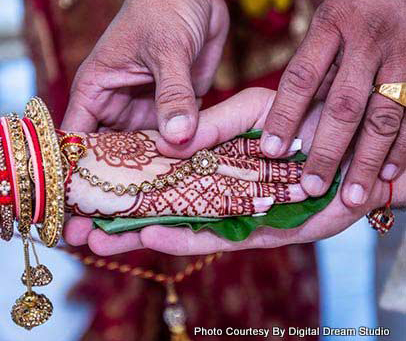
(325, 157)
(329, 14)
(378, 28)
(282, 118)
(368, 164)
(160, 49)
(384, 121)
(174, 94)
(383, 25)
(399, 148)
(163, 45)
(346, 107)
(300, 77)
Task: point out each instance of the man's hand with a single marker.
(149, 67)
(350, 46)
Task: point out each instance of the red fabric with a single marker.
(59, 86)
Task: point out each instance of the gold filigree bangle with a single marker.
(51, 229)
(23, 185)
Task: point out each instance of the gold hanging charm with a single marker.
(40, 274)
(174, 315)
(31, 309)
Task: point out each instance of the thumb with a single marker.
(177, 109)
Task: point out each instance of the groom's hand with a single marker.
(350, 46)
(149, 67)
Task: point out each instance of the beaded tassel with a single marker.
(174, 315)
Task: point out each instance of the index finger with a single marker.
(298, 85)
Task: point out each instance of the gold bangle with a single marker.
(51, 229)
(22, 184)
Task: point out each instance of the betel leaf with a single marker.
(118, 225)
(283, 216)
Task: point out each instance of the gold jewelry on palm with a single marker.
(204, 162)
(394, 91)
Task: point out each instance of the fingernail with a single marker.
(177, 124)
(272, 145)
(389, 171)
(356, 194)
(297, 192)
(263, 204)
(296, 145)
(313, 184)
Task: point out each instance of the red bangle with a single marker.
(37, 163)
(7, 176)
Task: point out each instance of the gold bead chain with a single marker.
(204, 162)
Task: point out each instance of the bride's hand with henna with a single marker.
(244, 183)
(124, 175)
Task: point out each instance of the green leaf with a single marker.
(252, 134)
(118, 225)
(282, 216)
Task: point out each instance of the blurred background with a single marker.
(352, 265)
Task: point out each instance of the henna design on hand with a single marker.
(242, 178)
(215, 195)
(264, 170)
(239, 147)
(131, 150)
(232, 206)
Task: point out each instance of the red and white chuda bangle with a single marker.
(36, 169)
(6, 191)
(382, 218)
